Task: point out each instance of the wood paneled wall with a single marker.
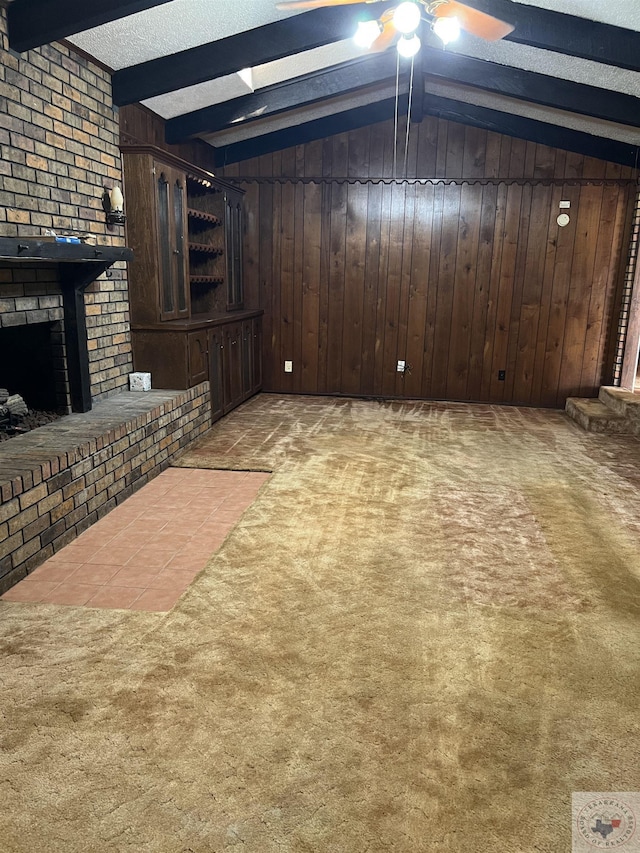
(460, 280)
(138, 125)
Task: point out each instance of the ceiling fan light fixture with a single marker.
(367, 33)
(406, 17)
(408, 47)
(447, 29)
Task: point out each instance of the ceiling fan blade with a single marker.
(477, 23)
(285, 5)
(386, 37)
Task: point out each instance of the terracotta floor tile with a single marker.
(134, 576)
(74, 553)
(55, 572)
(153, 558)
(95, 574)
(132, 540)
(171, 580)
(121, 597)
(147, 551)
(70, 593)
(115, 556)
(156, 600)
(182, 562)
(35, 591)
(172, 539)
(95, 538)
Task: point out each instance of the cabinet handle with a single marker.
(176, 251)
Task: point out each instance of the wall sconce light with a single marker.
(113, 206)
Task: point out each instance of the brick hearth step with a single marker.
(621, 401)
(614, 412)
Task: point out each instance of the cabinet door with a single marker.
(172, 217)
(216, 359)
(232, 367)
(197, 354)
(256, 378)
(233, 241)
(247, 358)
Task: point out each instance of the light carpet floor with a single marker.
(422, 636)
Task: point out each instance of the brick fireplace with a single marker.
(59, 139)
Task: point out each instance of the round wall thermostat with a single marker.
(563, 219)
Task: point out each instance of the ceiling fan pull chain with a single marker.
(395, 119)
(406, 141)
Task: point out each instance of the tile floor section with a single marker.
(144, 554)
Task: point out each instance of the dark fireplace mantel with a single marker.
(78, 265)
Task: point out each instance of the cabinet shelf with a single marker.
(203, 217)
(206, 279)
(206, 250)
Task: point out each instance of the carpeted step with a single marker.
(621, 401)
(594, 416)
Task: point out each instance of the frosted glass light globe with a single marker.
(406, 17)
(367, 33)
(408, 47)
(447, 29)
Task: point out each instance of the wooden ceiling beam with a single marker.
(536, 27)
(244, 50)
(533, 130)
(566, 34)
(32, 23)
(500, 79)
(308, 131)
(446, 108)
(534, 87)
(275, 100)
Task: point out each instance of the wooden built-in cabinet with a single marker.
(185, 282)
(235, 363)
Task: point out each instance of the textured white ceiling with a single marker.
(268, 74)
(182, 24)
(620, 13)
(172, 27)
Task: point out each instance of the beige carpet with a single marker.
(423, 636)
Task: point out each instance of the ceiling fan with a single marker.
(447, 18)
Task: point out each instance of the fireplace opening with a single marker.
(32, 366)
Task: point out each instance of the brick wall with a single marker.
(48, 498)
(59, 147)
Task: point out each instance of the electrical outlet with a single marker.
(401, 367)
(288, 367)
(502, 375)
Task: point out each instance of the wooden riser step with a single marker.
(596, 416)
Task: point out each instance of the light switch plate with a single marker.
(288, 367)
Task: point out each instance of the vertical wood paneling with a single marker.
(445, 284)
(460, 280)
(432, 292)
(506, 279)
(587, 218)
(335, 313)
(478, 348)
(419, 290)
(493, 286)
(531, 304)
(464, 290)
(354, 287)
(549, 251)
(312, 238)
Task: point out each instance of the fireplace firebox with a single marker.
(76, 267)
